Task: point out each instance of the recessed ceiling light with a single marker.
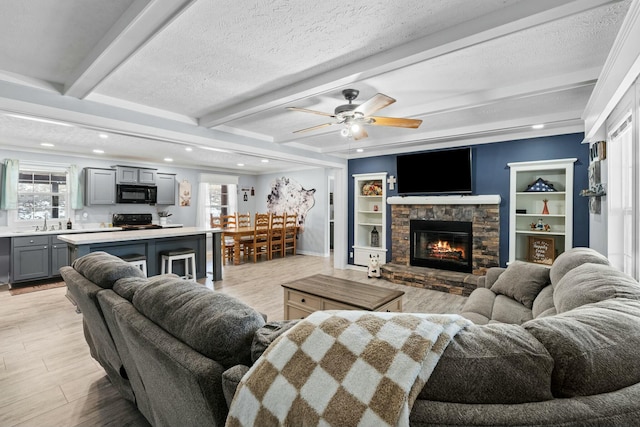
(47, 144)
(240, 164)
(103, 135)
(265, 160)
(168, 159)
(97, 151)
(538, 126)
(188, 149)
(359, 150)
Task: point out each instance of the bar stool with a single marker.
(186, 254)
(138, 260)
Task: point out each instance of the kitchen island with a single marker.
(150, 243)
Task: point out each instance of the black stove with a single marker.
(134, 221)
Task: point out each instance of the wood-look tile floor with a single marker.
(48, 378)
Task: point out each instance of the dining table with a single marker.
(237, 234)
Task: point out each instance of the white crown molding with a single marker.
(620, 70)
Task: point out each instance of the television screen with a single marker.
(435, 172)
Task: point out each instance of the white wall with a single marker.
(313, 240)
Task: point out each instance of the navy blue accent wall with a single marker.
(491, 176)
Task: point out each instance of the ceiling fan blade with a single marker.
(361, 134)
(313, 128)
(305, 110)
(377, 102)
(396, 122)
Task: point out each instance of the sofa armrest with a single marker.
(230, 380)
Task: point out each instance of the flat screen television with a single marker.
(435, 172)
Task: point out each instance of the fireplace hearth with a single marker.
(445, 245)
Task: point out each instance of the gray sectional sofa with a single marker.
(551, 346)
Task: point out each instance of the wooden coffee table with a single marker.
(319, 292)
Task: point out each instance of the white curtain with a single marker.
(75, 188)
(202, 213)
(9, 196)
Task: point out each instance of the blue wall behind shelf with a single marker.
(491, 176)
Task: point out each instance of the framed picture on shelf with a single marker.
(541, 250)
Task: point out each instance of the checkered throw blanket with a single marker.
(344, 368)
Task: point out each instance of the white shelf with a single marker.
(558, 173)
(369, 212)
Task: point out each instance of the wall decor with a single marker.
(290, 197)
(541, 250)
(184, 190)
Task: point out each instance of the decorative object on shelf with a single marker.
(532, 225)
(540, 185)
(540, 225)
(545, 209)
(375, 238)
(547, 227)
(163, 215)
(541, 250)
(375, 208)
(521, 211)
(392, 182)
(372, 188)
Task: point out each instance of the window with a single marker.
(42, 194)
(221, 200)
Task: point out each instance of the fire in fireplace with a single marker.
(441, 244)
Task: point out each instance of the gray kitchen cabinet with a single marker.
(37, 257)
(133, 175)
(166, 184)
(29, 258)
(59, 255)
(100, 186)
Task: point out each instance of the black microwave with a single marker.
(136, 194)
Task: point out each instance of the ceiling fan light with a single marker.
(355, 128)
(344, 132)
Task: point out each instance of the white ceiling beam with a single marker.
(140, 23)
(510, 20)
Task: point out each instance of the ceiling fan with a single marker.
(355, 116)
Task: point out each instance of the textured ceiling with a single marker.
(159, 76)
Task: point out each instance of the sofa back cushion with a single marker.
(543, 302)
(128, 286)
(589, 283)
(105, 269)
(522, 282)
(572, 258)
(594, 347)
(493, 364)
(214, 324)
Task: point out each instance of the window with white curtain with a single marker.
(218, 195)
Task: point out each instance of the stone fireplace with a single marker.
(481, 213)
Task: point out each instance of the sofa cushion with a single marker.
(479, 303)
(594, 347)
(573, 258)
(105, 269)
(507, 310)
(543, 302)
(127, 286)
(522, 281)
(214, 324)
(264, 336)
(494, 363)
(590, 283)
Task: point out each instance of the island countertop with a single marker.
(121, 236)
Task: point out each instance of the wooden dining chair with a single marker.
(260, 244)
(290, 234)
(227, 241)
(244, 220)
(276, 235)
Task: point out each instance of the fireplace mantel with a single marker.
(485, 199)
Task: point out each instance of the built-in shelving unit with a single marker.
(369, 212)
(535, 236)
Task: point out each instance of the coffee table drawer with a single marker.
(293, 313)
(333, 305)
(304, 300)
(393, 306)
